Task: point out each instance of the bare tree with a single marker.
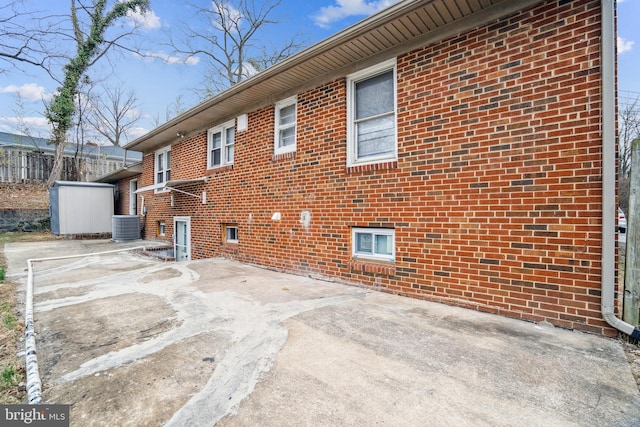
(230, 47)
(24, 130)
(26, 36)
(174, 109)
(91, 45)
(113, 113)
(629, 129)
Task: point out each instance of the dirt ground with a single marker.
(12, 388)
(12, 372)
(632, 350)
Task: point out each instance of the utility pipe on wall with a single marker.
(608, 40)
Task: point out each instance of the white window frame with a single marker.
(226, 228)
(374, 232)
(222, 130)
(278, 149)
(352, 139)
(166, 167)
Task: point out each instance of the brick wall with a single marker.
(495, 198)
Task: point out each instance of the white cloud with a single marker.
(624, 45)
(147, 20)
(169, 59)
(136, 132)
(248, 70)
(230, 13)
(38, 126)
(345, 8)
(29, 92)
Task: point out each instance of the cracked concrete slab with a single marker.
(127, 339)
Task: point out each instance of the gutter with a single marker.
(226, 100)
(609, 172)
(34, 384)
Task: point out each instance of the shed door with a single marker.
(182, 238)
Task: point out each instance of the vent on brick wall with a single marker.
(125, 227)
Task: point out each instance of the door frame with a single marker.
(133, 197)
(187, 221)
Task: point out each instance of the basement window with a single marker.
(374, 243)
(230, 233)
(162, 228)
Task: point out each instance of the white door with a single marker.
(182, 238)
(133, 197)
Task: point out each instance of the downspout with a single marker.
(609, 172)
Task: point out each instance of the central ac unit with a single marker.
(125, 227)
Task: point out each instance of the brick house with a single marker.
(455, 151)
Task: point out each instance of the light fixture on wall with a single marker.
(181, 134)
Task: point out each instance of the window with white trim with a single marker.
(230, 233)
(374, 243)
(162, 166)
(371, 115)
(220, 145)
(285, 126)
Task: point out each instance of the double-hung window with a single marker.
(371, 112)
(220, 145)
(285, 129)
(374, 243)
(162, 166)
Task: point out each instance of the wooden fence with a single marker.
(631, 312)
(23, 165)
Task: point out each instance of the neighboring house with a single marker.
(25, 166)
(25, 159)
(452, 150)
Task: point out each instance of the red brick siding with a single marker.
(495, 197)
(157, 205)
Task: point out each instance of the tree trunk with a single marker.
(58, 160)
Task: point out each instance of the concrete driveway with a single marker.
(127, 339)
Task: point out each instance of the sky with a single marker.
(164, 82)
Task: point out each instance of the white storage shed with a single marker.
(81, 207)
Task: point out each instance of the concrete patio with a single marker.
(128, 339)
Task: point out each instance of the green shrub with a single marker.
(8, 375)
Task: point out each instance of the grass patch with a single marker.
(35, 236)
(12, 372)
(9, 374)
